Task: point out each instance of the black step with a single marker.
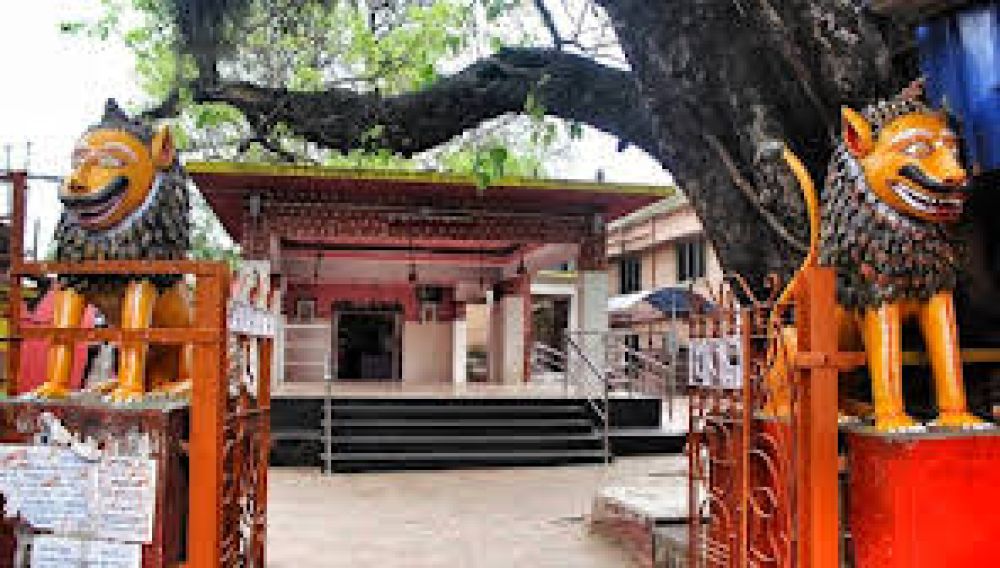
(469, 440)
(367, 461)
(432, 410)
(461, 427)
(462, 423)
(296, 435)
(445, 443)
(415, 433)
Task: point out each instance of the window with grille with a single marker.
(690, 260)
(629, 275)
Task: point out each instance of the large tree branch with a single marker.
(566, 85)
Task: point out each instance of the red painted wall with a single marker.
(326, 295)
(34, 353)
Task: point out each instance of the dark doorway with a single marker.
(368, 343)
(550, 320)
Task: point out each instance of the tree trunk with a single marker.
(729, 82)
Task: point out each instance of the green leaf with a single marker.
(497, 8)
(549, 134)
(482, 179)
(427, 74)
(575, 130)
(373, 134)
(498, 158)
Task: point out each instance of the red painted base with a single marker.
(922, 501)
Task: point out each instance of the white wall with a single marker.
(592, 306)
(427, 352)
(513, 339)
(477, 318)
(459, 352)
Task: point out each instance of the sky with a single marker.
(55, 86)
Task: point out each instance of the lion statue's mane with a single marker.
(159, 229)
(880, 254)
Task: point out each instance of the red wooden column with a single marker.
(593, 255)
(529, 332)
(815, 405)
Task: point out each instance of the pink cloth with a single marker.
(34, 353)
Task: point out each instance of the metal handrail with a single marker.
(548, 350)
(603, 413)
(655, 367)
(543, 354)
(547, 358)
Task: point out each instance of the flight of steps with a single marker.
(423, 433)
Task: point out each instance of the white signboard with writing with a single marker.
(53, 488)
(716, 362)
(126, 498)
(49, 551)
(50, 487)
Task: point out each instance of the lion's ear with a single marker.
(162, 148)
(857, 132)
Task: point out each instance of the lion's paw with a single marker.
(49, 390)
(122, 395)
(178, 389)
(898, 424)
(961, 421)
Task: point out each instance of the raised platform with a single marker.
(647, 516)
(924, 500)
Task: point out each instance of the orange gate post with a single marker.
(816, 466)
(15, 254)
(208, 399)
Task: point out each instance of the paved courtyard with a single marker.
(496, 518)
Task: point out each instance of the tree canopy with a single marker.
(210, 65)
(710, 88)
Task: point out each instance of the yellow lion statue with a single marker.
(126, 199)
(893, 191)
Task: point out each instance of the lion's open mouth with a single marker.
(934, 205)
(91, 208)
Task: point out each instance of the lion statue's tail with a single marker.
(812, 209)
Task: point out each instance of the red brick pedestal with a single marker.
(925, 500)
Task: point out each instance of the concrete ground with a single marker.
(486, 518)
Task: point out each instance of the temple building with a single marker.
(391, 276)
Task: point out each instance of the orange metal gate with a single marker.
(763, 489)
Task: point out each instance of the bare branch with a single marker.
(549, 22)
(751, 194)
(167, 108)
